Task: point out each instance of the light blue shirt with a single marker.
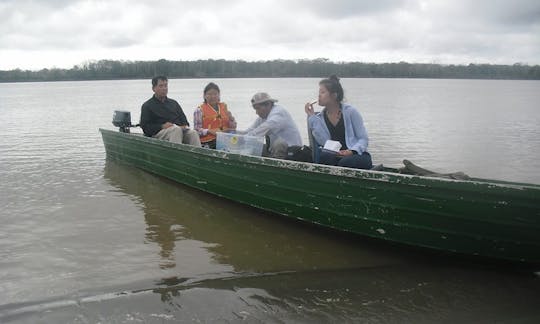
(356, 136)
(278, 124)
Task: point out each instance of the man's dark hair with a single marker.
(156, 79)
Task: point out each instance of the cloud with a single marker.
(505, 13)
(457, 31)
(486, 31)
(350, 8)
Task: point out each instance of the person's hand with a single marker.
(345, 153)
(232, 120)
(310, 111)
(166, 125)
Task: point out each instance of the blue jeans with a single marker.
(356, 161)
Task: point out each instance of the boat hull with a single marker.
(493, 219)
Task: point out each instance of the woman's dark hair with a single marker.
(333, 86)
(209, 87)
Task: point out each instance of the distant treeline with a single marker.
(109, 69)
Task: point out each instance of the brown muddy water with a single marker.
(86, 240)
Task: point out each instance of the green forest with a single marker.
(111, 70)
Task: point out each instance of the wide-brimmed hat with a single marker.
(261, 97)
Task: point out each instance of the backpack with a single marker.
(299, 153)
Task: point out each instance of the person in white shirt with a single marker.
(276, 123)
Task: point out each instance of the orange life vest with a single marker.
(212, 119)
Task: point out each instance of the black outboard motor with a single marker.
(122, 119)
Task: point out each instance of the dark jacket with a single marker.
(155, 113)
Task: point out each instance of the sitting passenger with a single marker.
(212, 116)
(163, 118)
(276, 123)
(339, 122)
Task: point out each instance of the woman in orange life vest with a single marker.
(212, 116)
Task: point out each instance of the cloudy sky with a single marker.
(63, 33)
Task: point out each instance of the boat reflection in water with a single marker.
(275, 269)
(244, 238)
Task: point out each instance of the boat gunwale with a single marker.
(374, 175)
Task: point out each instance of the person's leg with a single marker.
(357, 161)
(191, 137)
(209, 144)
(278, 149)
(328, 158)
(265, 151)
(172, 134)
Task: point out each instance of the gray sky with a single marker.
(63, 33)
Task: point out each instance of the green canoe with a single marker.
(488, 218)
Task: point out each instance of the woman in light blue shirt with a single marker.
(339, 122)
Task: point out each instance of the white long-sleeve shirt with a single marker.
(278, 124)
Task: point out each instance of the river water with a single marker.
(86, 240)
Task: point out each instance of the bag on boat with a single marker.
(299, 153)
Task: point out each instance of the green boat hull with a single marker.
(487, 218)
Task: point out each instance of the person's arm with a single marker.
(232, 120)
(272, 122)
(149, 127)
(318, 128)
(255, 124)
(360, 133)
(182, 122)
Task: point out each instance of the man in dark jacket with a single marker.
(163, 118)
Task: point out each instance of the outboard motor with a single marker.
(122, 119)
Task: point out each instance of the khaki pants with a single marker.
(177, 134)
